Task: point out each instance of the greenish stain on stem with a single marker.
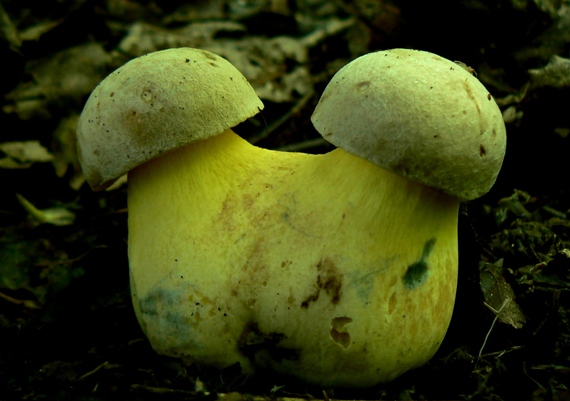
(417, 272)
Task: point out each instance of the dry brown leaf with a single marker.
(499, 295)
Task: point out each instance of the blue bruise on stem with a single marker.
(160, 308)
(417, 272)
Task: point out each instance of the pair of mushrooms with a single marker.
(338, 268)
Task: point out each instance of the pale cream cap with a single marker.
(157, 103)
(418, 115)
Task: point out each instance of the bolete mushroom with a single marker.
(339, 268)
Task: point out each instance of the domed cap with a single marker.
(418, 115)
(157, 103)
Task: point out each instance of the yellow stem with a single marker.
(231, 239)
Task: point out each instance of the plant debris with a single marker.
(67, 327)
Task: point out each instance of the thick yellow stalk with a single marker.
(326, 267)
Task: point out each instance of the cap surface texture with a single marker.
(157, 103)
(418, 115)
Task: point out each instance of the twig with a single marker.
(94, 370)
(497, 313)
(502, 352)
(530, 377)
(28, 303)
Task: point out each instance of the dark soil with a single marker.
(67, 328)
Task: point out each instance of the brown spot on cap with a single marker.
(362, 86)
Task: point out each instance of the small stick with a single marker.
(497, 313)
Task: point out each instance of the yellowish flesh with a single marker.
(325, 267)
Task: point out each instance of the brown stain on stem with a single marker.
(329, 281)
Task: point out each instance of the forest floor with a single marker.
(67, 326)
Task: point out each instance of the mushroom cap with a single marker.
(157, 103)
(418, 115)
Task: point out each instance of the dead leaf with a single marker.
(65, 151)
(67, 76)
(23, 154)
(553, 273)
(143, 38)
(275, 67)
(562, 131)
(58, 216)
(499, 295)
(34, 32)
(555, 74)
(8, 30)
(511, 114)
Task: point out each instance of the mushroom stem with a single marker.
(267, 258)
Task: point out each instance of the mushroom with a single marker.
(339, 268)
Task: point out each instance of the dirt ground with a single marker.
(67, 327)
